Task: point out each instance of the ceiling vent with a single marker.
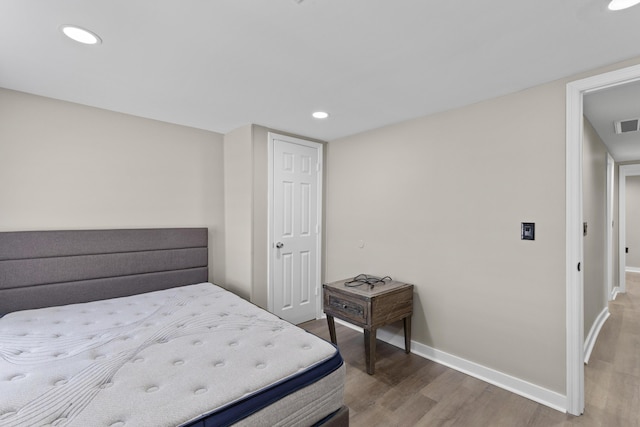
(624, 126)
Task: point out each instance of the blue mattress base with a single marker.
(232, 413)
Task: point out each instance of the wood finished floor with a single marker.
(408, 390)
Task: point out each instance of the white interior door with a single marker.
(609, 269)
(295, 194)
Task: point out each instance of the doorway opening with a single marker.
(295, 236)
(625, 171)
(574, 237)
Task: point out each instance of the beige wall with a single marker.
(594, 209)
(440, 205)
(632, 241)
(260, 215)
(238, 190)
(444, 197)
(67, 166)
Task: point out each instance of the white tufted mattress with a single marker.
(165, 358)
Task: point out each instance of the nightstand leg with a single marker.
(332, 329)
(370, 350)
(407, 334)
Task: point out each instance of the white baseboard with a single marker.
(515, 385)
(614, 292)
(594, 332)
(632, 269)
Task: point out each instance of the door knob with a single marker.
(279, 245)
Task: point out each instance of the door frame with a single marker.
(574, 240)
(625, 171)
(609, 224)
(319, 231)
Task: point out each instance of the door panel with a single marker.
(295, 225)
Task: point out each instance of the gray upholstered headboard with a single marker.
(48, 268)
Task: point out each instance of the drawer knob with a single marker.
(344, 306)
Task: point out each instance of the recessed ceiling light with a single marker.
(80, 34)
(323, 115)
(622, 4)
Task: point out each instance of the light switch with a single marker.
(528, 231)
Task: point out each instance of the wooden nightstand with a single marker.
(369, 308)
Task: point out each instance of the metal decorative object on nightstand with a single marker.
(369, 307)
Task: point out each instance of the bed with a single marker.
(121, 328)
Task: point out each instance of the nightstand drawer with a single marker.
(346, 308)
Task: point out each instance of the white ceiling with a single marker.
(221, 64)
(604, 107)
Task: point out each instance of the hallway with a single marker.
(612, 376)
